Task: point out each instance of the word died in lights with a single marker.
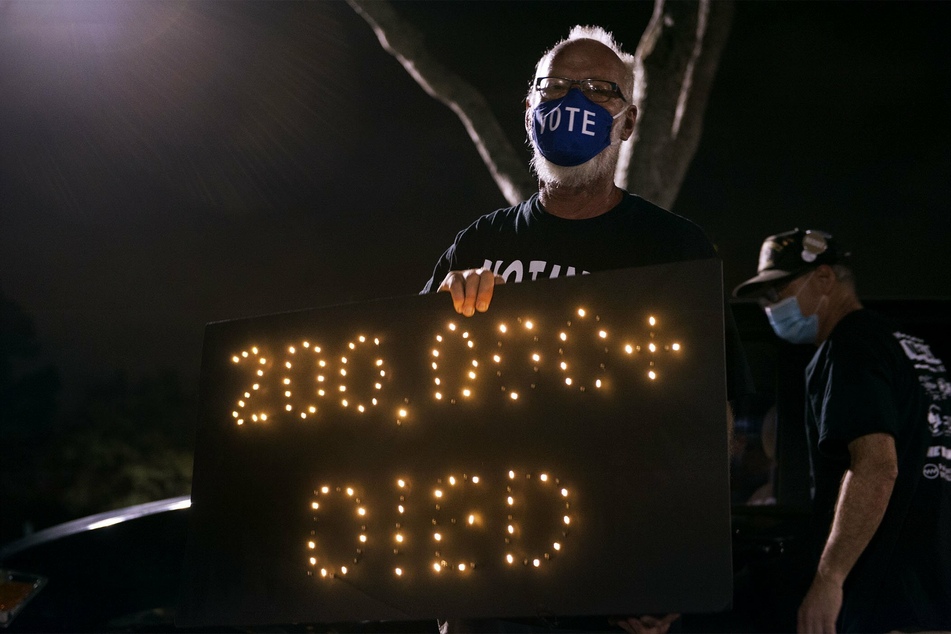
(441, 536)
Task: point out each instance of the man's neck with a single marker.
(578, 203)
(840, 305)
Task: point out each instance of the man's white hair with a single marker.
(599, 34)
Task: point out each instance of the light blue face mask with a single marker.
(789, 324)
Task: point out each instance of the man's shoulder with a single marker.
(505, 216)
(655, 213)
(864, 336)
(862, 325)
(653, 222)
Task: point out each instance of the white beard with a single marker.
(589, 172)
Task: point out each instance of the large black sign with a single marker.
(564, 453)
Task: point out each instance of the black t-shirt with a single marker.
(525, 242)
(866, 378)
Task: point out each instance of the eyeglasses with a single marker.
(597, 90)
(769, 296)
(772, 294)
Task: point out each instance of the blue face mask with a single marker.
(789, 324)
(571, 130)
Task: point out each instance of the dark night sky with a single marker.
(167, 164)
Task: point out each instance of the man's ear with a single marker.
(630, 118)
(528, 117)
(825, 277)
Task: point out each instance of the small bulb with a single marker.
(313, 560)
(343, 570)
(567, 519)
(401, 483)
(510, 559)
(651, 321)
(543, 477)
(675, 347)
(556, 546)
(462, 567)
(581, 312)
(399, 572)
(603, 334)
(536, 563)
(311, 545)
(349, 491)
(475, 479)
(652, 375)
(437, 567)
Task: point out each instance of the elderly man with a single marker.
(878, 418)
(578, 112)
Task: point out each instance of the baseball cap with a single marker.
(788, 255)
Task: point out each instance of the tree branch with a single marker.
(677, 60)
(403, 42)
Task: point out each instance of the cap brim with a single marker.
(756, 285)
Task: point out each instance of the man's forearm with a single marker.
(863, 498)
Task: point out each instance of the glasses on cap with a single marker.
(597, 90)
